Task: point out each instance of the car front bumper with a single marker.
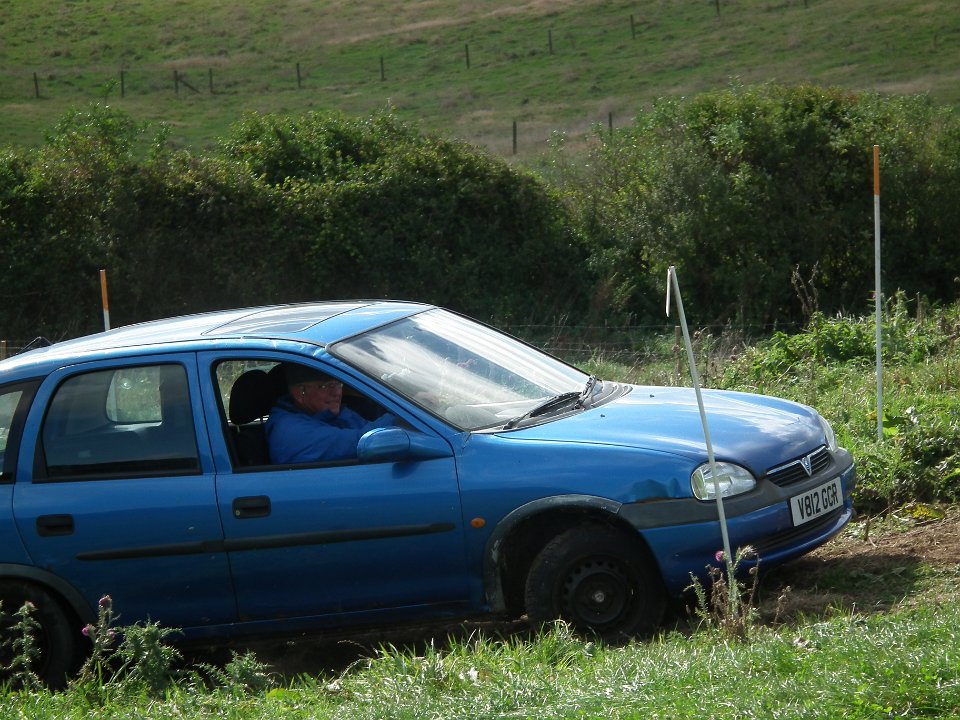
(685, 538)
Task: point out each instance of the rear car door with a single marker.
(115, 490)
(335, 539)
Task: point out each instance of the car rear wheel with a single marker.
(598, 580)
(57, 636)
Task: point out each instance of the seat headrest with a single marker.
(252, 396)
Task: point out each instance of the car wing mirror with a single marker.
(394, 444)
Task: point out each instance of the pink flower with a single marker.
(88, 630)
(106, 601)
(719, 555)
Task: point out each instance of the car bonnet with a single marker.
(756, 431)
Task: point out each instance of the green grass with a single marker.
(904, 665)
(597, 67)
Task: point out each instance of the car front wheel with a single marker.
(597, 579)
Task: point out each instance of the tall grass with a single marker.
(847, 666)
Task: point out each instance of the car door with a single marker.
(115, 491)
(339, 538)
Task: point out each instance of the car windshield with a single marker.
(472, 375)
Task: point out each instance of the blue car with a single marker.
(484, 477)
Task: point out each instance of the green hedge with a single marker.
(751, 192)
(740, 189)
(289, 209)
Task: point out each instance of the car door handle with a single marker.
(54, 525)
(255, 506)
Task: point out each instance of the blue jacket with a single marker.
(293, 436)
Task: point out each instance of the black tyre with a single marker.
(58, 637)
(598, 580)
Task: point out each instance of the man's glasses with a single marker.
(323, 386)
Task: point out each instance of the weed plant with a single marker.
(727, 603)
(23, 649)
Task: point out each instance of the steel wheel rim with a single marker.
(597, 592)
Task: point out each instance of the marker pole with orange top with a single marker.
(103, 296)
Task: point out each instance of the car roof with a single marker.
(315, 323)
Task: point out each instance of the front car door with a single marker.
(115, 491)
(335, 539)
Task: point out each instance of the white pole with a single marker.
(103, 297)
(672, 282)
(876, 285)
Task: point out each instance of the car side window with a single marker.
(125, 421)
(249, 391)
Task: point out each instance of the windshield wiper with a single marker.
(544, 407)
(556, 401)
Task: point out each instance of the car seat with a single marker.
(251, 397)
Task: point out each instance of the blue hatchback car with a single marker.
(135, 464)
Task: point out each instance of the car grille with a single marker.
(801, 468)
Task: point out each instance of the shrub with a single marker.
(741, 188)
(292, 209)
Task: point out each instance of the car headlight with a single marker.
(828, 433)
(733, 480)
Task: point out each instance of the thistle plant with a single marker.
(102, 636)
(25, 652)
(243, 675)
(146, 659)
(141, 661)
(728, 604)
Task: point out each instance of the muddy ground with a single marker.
(907, 558)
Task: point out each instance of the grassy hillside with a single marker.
(549, 65)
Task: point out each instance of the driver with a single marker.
(308, 424)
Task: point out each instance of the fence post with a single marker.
(610, 121)
(3, 349)
(123, 82)
(466, 54)
(210, 79)
(176, 82)
(633, 29)
(514, 137)
(383, 74)
(299, 79)
(550, 40)
(36, 85)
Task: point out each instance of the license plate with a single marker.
(814, 503)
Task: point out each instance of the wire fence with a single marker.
(329, 73)
(624, 344)
(212, 84)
